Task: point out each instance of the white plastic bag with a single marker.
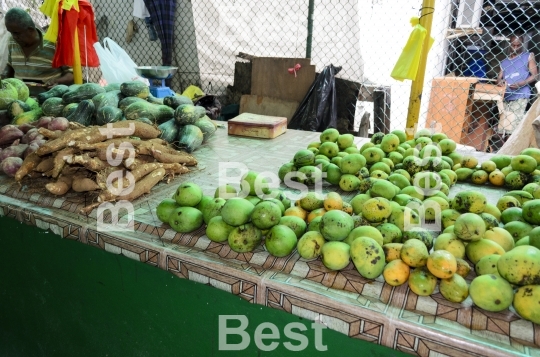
(115, 64)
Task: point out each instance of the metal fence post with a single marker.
(415, 98)
(309, 28)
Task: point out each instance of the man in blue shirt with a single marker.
(516, 73)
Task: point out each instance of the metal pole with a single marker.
(426, 18)
(310, 28)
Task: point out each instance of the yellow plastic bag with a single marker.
(193, 92)
(407, 65)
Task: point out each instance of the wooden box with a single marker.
(257, 126)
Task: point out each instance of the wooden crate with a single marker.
(460, 108)
(448, 104)
(257, 126)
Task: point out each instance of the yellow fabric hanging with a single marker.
(68, 4)
(407, 64)
(50, 8)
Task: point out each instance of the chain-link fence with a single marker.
(460, 96)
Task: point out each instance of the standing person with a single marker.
(30, 56)
(516, 73)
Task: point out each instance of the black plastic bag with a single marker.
(318, 109)
(211, 104)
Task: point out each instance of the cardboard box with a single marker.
(257, 126)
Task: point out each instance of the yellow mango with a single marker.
(392, 251)
(442, 264)
(478, 249)
(520, 266)
(414, 253)
(396, 272)
(527, 302)
(463, 267)
(451, 243)
(491, 292)
(333, 200)
(454, 289)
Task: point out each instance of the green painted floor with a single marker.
(63, 298)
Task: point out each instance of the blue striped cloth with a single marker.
(162, 14)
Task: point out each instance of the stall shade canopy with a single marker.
(162, 13)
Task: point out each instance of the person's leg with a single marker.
(513, 114)
(519, 107)
(504, 124)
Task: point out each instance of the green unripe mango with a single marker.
(368, 257)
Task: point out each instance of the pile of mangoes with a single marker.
(502, 170)
(392, 174)
(400, 223)
(344, 164)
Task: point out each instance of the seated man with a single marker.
(30, 56)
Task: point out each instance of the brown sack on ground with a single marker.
(536, 128)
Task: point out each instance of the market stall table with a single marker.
(344, 301)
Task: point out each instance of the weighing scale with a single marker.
(158, 73)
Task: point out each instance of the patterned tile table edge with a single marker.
(384, 329)
(134, 248)
(503, 329)
(365, 325)
(415, 339)
(242, 283)
(188, 263)
(32, 215)
(423, 346)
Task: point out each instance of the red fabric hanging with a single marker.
(68, 22)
